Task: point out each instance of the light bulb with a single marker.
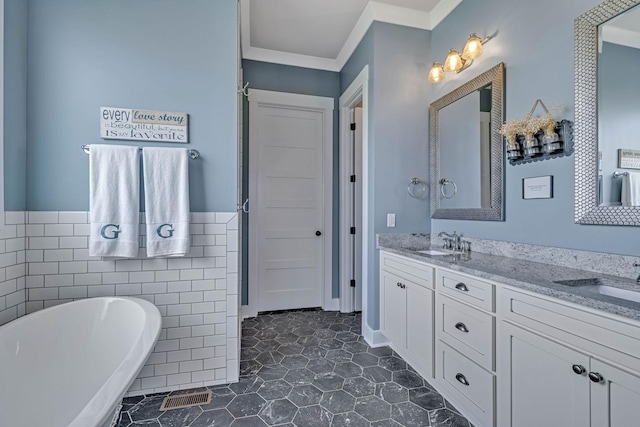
(473, 48)
(453, 61)
(436, 74)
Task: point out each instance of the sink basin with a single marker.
(432, 252)
(625, 294)
(579, 282)
(599, 286)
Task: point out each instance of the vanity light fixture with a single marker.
(456, 62)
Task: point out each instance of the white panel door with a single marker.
(393, 309)
(615, 399)
(288, 209)
(540, 387)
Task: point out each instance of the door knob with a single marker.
(318, 233)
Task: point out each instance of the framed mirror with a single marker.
(467, 151)
(607, 105)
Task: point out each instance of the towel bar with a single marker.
(617, 174)
(193, 154)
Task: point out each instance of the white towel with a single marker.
(631, 189)
(114, 199)
(166, 198)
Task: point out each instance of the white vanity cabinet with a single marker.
(406, 309)
(507, 357)
(566, 366)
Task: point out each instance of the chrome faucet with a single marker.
(453, 241)
(637, 264)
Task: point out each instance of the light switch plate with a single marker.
(391, 220)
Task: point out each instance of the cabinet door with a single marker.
(615, 398)
(393, 308)
(420, 324)
(538, 384)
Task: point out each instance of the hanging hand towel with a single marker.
(114, 199)
(166, 198)
(631, 189)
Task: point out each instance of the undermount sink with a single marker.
(625, 294)
(432, 252)
(598, 286)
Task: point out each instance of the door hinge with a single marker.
(353, 230)
(353, 126)
(353, 178)
(353, 283)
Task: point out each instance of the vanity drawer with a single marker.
(408, 269)
(467, 329)
(468, 385)
(607, 336)
(466, 288)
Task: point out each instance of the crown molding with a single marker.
(374, 11)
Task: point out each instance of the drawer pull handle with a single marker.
(400, 285)
(595, 377)
(462, 287)
(462, 327)
(462, 379)
(579, 369)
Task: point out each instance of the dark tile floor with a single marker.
(306, 369)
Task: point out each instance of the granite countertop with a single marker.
(529, 275)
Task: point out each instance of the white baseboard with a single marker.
(332, 305)
(246, 312)
(373, 338)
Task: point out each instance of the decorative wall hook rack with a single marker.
(537, 138)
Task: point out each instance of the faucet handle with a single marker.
(636, 264)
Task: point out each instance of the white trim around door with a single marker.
(290, 101)
(356, 92)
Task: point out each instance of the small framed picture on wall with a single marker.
(538, 187)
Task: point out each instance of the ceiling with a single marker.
(623, 29)
(324, 33)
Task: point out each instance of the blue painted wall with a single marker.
(284, 78)
(15, 104)
(153, 54)
(536, 67)
(398, 59)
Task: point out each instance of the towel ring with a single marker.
(444, 182)
(416, 188)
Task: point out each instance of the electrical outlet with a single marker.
(391, 220)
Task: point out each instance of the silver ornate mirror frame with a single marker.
(587, 210)
(495, 77)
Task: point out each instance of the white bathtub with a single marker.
(70, 365)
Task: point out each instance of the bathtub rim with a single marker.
(99, 409)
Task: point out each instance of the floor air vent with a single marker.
(186, 400)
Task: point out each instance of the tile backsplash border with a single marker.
(44, 261)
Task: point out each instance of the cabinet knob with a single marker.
(595, 377)
(462, 287)
(462, 327)
(579, 369)
(462, 379)
(318, 233)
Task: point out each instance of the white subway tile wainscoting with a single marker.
(44, 261)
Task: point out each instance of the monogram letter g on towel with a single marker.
(160, 230)
(114, 235)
